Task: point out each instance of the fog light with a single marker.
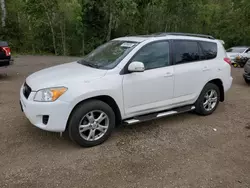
(45, 119)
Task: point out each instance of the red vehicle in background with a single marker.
(5, 55)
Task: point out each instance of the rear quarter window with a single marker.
(208, 50)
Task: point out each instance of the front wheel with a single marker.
(91, 123)
(208, 100)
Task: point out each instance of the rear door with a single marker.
(212, 65)
(189, 70)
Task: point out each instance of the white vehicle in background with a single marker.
(128, 80)
(238, 52)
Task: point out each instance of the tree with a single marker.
(4, 13)
(75, 27)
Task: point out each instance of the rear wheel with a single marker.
(208, 100)
(91, 123)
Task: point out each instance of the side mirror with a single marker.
(136, 66)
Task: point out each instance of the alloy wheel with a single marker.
(210, 100)
(93, 125)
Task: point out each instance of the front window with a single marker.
(236, 50)
(154, 55)
(108, 55)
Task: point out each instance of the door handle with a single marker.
(168, 74)
(205, 69)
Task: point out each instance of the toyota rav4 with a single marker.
(128, 80)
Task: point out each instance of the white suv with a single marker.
(128, 80)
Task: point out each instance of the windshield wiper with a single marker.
(84, 62)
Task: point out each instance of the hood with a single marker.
(62, 75)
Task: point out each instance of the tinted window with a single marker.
(209, 50)
(186, 51)
(154, 55)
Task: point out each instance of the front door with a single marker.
(151, 90)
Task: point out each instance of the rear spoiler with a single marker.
(3, 44)
(222, 41)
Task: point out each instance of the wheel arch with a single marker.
(219, 83)
(106, 99)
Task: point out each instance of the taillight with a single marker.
(7, 51)
(226, 59)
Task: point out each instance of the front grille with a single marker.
(26, 90)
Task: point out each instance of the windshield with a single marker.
(108, 55)
(236, 50)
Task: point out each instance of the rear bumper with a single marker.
(6, 62)
(228, 84)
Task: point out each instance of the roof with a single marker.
(141, 38)
(132, 38)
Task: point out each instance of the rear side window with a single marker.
(209, 50)
(186, 51)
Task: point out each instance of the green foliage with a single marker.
(75, 27)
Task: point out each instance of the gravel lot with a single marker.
(179, 151)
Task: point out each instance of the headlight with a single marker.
(49, 94)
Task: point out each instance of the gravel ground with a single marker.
(180, 151)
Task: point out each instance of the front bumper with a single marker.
(57, 111)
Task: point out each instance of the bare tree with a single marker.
(4, 13)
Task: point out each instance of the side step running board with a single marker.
(159, 114)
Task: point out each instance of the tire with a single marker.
(200, 107)
(247, 81)
(83, 123)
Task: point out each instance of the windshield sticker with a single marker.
(127, 44)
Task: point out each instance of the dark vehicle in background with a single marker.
(240, 61)
(246, 74)
(5, 55)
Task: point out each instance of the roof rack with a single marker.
(184, 34)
